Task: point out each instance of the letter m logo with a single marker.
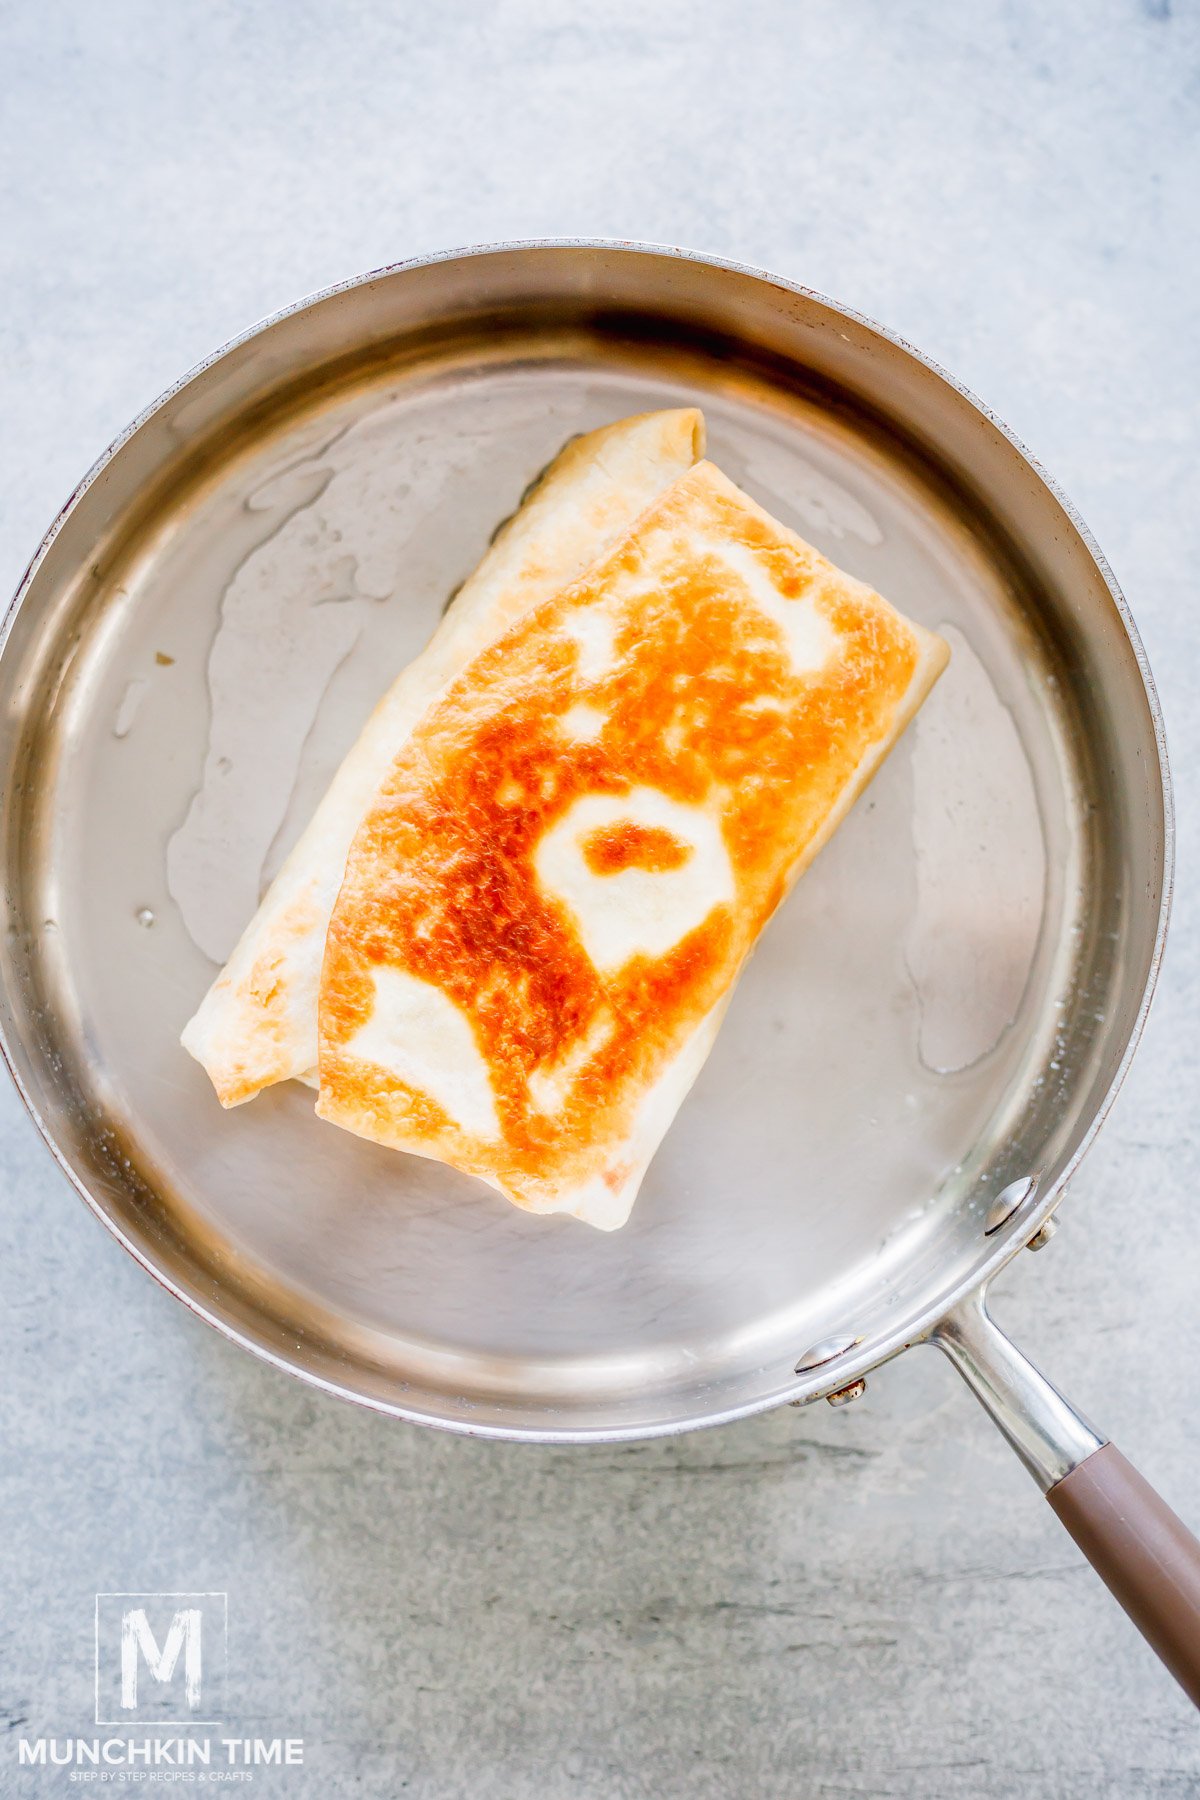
(160, 1657)
(138, 1644)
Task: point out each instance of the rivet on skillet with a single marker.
(825, 1352)
(854, 1391)
(1043, 1234)
(1007, 1202)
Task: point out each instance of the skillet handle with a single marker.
(1144, 1554)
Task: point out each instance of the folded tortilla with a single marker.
(548, 902)
(258, 1022)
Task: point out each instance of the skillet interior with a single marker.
(943, 1005)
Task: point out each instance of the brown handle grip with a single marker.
(1147, 1558)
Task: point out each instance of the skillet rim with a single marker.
(1004, 1243)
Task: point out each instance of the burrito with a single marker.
(549, 899)
(258, 1022)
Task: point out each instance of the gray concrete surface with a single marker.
(818, 1604)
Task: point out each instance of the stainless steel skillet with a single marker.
(926, 1040)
